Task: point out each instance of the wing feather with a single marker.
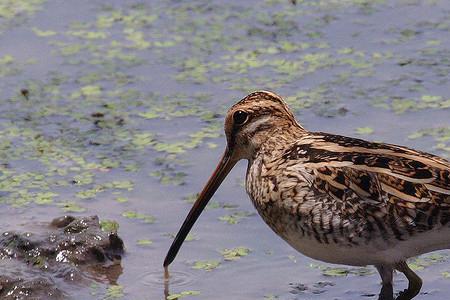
(395, 188)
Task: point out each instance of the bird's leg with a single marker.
(414, 282)
(386, 292)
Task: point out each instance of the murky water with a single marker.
(115, 109)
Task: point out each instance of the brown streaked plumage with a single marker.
(334, 198)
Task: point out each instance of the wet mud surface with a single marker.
(47, 258)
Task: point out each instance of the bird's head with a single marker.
(253, 120)
(248, 124)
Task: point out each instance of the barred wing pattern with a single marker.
(367, 187)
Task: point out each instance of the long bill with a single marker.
(223, 168)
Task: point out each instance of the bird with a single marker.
(334, 198)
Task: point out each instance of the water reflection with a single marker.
(106, 274)
(166, 282)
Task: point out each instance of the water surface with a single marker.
(115, 109)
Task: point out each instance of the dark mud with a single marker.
(48, 257)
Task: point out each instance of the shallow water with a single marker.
(115, 109)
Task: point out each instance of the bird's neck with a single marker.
(274, 140)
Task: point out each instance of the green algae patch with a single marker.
(182, 295)
(403, 105)
(114, 292)
(9, 66)
(235, 253)
(109, 225)
(441, 136)
(122, 199)
(71, 206)
(342, 271)
(364, 130)
(14, 12)
(91, 90)
(138, 216)
(427, 260)
(235, 217)
(90, 193)
(144, 242)
(141, 140)
(120, 184)
(207, 265)
(43, 33)
(169, 176)
(44, 197)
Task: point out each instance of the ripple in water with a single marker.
(176, 278)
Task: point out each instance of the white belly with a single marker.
(375, 252)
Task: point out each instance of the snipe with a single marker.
(334, 198)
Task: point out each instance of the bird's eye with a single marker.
(240, 117)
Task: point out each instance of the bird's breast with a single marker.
(279, 196)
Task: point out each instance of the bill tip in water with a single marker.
(166, 273)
